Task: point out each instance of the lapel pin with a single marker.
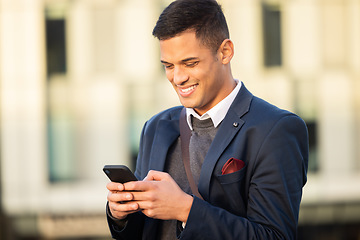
(235, 124)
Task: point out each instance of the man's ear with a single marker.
(226, 51)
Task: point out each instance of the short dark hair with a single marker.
(205, 17)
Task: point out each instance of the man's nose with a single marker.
(180, 75)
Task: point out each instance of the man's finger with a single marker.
(137, 186)
(113, 186)
(124, 208)
(120, 196)
(156, 176)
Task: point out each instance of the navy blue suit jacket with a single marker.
(261, 201)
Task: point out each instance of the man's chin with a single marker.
(187, 105)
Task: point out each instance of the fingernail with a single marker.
(128, 196)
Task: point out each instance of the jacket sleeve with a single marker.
(277, 176)
(128, 229)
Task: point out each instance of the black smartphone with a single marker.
(119, 173)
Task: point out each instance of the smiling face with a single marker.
(200, 76)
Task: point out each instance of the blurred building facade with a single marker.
(79, 78)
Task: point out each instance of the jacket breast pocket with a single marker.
(232, 177)
(233, 186)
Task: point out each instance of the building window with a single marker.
(55, 46)
(271, 35)
(313, 146)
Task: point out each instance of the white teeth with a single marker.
(188, 89)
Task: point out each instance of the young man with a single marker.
(265, 147)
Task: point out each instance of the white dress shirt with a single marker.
(218, 112)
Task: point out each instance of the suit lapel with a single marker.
(167, 132)
(228, 129)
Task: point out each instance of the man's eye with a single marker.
(192, 64)
(168, 66)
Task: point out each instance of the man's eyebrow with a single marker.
(183, 61)
(189, 59)
(164, 62)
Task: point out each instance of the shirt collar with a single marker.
(218, 112)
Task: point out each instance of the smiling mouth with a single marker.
(186, 90)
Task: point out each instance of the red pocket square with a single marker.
(232, 165)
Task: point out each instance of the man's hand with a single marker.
(120, 203)
(158, 196)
